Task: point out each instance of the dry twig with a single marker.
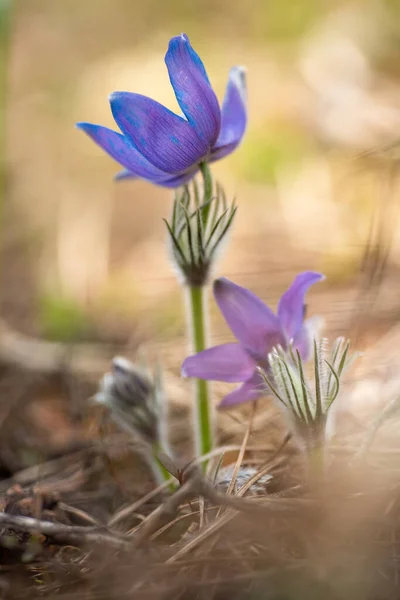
(63, 534)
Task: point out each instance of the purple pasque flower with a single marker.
(257, 330)
(162, 147)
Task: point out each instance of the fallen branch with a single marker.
(63, 534)
(45, 357)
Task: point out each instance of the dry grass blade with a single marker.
(214, 527)
(167, 526)
(128, 510)
(169, 508)
(79, 515)
(242, 450)
(202, 536)
(266, 469)
(202, 512)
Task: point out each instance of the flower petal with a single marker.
(252, 389)
(192, 89)
(252, 322)
(291, 306)
(170, 181)
(121, 150)
(234, 115)
(228, 362)
(164, 139)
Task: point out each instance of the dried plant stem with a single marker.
(197, 485)
(63, 534)
(242, 450)
(125, 512)
(169, 508)
(241, 454)
(203, 417)
(256, 505)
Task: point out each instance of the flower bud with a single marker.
(306, 401)
(197, 228)
(131, 397)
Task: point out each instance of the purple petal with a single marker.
(170, 181)
(164, 139)
(252, 389)
(125, 174)
(234, 115)
(121, 150)
(252, 322)
(291, 305)
(228, 362)
(192, 89)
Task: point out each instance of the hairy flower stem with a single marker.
(202, 407)
(316, 463)
(315, 452)
(207, 181)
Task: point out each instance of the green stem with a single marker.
(207, 190)
(316, 456)
(203, 409)
(316, 462)
(207, 181)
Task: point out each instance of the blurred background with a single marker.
(84, 258)
(80, 249)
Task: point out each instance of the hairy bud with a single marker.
(197, 229)
(131, 397)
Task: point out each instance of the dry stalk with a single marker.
(242, 450)
(64, 534)
(128, 510)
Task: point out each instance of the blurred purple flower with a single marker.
(162, 147)
(257, 330)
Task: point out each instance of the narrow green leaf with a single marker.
(176, 243)
(335, 353)
(224, 231)
(200, 242)
(190, 239)
(204, 208)
(318, 394)
(272, 388)
(309, 415)
(186, 197)
(184, 212)
(174, 213)
(214, 229)
(168, 464)
(224, 202)
(215, 211)
(332, 398)
(299, 411)
(196, 193)
(343, 359)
